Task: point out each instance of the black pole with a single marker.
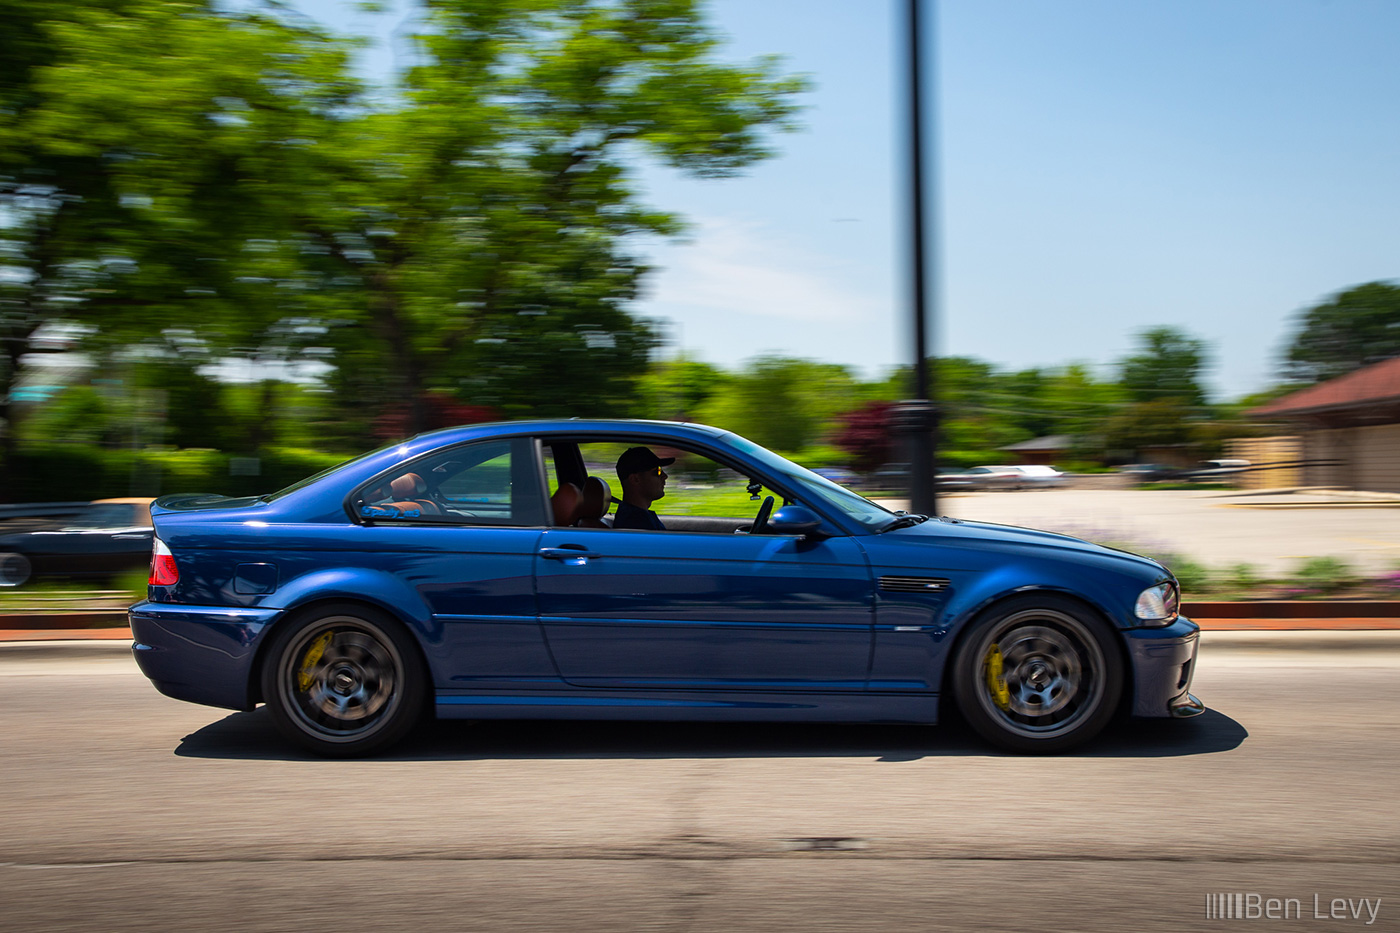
(919, 417)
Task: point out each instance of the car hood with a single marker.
(987, 535)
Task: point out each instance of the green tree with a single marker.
(1352, 329)
(1168, 366)
(783, 403)
(152, 153)
(675, 390)
(483, 225)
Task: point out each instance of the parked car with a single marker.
(101, 541)
(441, 577)
(1150, 472)
(1037, 476)
(1217, 471)
(992, 477)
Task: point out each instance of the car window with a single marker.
(806, 483)
(486, 483)
(696, 485)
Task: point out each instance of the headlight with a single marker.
(1157, 605)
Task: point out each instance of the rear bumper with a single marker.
(1164, 661)
(203, 654)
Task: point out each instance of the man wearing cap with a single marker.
(643, 482)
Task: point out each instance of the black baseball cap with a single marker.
(638, 459)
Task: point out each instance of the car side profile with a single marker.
(473, 573)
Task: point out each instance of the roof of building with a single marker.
(1376, 384)
(1048, 442)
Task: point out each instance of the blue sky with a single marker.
(1103, 167)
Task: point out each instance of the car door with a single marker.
(685, 610)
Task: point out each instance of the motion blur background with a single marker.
(240, 242)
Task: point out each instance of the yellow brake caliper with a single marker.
(313, 654)
(996, 678)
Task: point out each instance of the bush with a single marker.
(1194, 578)
(1324, 574)
(1241, 578)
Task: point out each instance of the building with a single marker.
(1350, 428)
(1042, 450)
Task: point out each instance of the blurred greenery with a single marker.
(267, 266)
(1352, 329)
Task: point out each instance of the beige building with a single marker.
(1349, 428)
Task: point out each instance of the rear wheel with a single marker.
(344, 680)
(1038, 674)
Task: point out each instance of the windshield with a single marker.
(813, 486)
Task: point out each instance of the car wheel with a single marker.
(1038, 674)
(343, 681)
(14, 569)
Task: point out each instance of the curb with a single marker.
(67, 649)
(1371, 642)
(1293, 609)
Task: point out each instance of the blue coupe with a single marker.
(475, 573)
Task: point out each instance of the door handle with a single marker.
(576, 552)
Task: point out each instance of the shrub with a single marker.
(1324, 574)
(1194, 578)
(1240, 578)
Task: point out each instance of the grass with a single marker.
(728, 501)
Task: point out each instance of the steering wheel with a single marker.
(760, 522)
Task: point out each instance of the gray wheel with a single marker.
(344, 681)
(14, 569)
(1038, 674)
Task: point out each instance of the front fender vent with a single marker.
(892, 584)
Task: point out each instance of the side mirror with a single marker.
(794, 520)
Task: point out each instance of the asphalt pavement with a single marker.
(122, 810)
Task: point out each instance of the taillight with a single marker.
(163, 569)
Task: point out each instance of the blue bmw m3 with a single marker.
(483, 572)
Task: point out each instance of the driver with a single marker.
(643, 482)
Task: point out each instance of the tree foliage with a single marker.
(783, 403)
(186, 164)
(1352, 329)
(1167, 367)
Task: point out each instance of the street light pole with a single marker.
(918, 417)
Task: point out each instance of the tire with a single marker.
(1062, 675)
(344, 680)
(14, 569)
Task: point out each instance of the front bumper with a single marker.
(1163, 663)
(203, 654)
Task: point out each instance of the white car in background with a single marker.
(1036, 476)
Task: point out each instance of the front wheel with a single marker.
(344, 681)
(14, 569)
(1038, 674)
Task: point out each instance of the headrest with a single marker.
(564, 503)
(407, 486)
(597, 498)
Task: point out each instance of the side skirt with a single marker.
(696, 707)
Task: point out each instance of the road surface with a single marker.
(123, 810)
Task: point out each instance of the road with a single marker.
(123, 810)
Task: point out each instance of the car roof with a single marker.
(567, 425)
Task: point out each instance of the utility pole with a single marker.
(917, 418)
